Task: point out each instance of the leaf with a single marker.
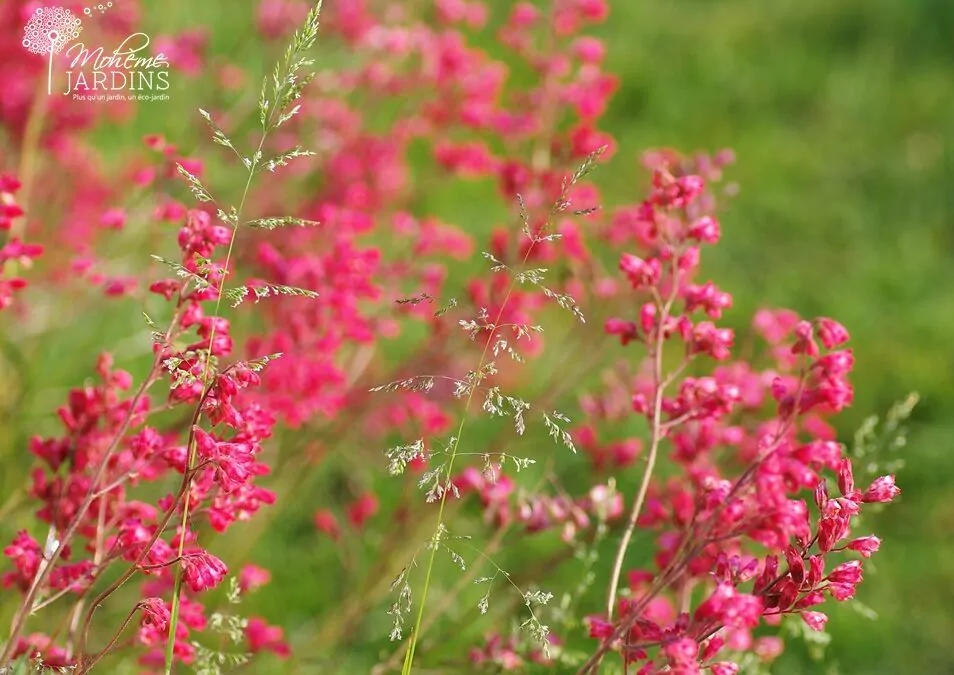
(284, 221)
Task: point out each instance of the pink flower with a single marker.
(253, 577)
(706, 229)
(26, 555)
(846, 479)
(155, 613)
(881, 490)
(640, 272)
(325, 521)
(865, 545)
(606, 504)
(262, 637)
(203, 570)
(831, 333)
(726, 605)
(589, 49)
(626, 330)
(599, 627)
(363, 508)
(682, 652)
(815, 620)
(847, 573)
(114, 219)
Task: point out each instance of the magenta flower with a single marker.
(881, 490)
(203, 570)
(155, 613)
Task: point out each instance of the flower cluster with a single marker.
(14, 252)
(751, 445)
(146, 470)
(107, 448)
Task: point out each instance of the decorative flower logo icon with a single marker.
(48, 31)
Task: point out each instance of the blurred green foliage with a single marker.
(841, 118)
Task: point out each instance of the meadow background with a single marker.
(842, 119)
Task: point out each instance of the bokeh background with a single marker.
(840, 114)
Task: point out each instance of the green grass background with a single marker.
(842, 118)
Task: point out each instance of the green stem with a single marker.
(412, 647)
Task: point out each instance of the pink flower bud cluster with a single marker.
(742, 526)
(89, 474)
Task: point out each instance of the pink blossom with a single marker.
(263, 637)
(882, 489)
(865, 545)
(326, 522)
(202, 571)
(155, 613)
(362, 509)
(815, 620)
(831, 333)
(252, 578)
